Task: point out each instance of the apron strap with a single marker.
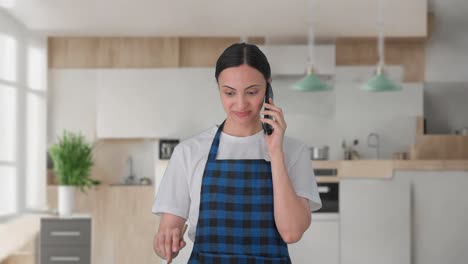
(215, 145)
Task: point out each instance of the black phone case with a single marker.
(267, 128)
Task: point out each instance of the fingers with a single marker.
(182, 244)
(273, 110)
(175, 240)
(168, 243)
(278, 117)
(159, 248)
(272, 106)
(274, 124)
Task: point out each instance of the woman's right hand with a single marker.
(169, 240)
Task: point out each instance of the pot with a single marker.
(319, 153)
(464, 131)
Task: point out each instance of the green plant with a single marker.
(73, 160)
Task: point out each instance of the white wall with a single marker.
(348, 113)
(72, 106)
(72, 103)
(315, 118)
(447, 49)
(445, 107)
(446, 68)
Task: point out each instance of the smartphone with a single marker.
(267, 128)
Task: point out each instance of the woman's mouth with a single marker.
(242, 114)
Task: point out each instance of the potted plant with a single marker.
(73, 160)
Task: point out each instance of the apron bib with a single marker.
(236, 218)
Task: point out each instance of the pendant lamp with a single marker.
(380, 82)
(311, 82)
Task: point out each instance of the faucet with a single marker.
(373, 142)
(130, 179)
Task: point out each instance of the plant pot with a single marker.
(66, 199)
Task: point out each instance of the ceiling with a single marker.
(332, 18)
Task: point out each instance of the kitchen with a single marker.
(126, 90)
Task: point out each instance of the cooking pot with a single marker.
(319, 153)
(464, 131)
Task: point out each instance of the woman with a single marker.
(246, 194)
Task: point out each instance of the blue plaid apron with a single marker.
(236, 219)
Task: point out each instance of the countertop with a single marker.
(384, 168)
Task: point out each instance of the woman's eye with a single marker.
(229, 93)
(252, 93)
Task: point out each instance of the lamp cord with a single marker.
(380, 22)
(311, 37)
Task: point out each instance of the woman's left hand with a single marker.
(275, 140)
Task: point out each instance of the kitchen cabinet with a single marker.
(439, 215)
(375, 221)
(123, 225)
(65, 240)
(320, 243)
(156, 103)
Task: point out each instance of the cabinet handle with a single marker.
(323, 189)
(63, 258)
(65, 233)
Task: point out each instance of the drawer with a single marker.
(65, 255)
(66, 231)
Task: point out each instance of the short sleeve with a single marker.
(173, 193)
(303, 179)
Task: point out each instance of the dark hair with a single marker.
(243, 53)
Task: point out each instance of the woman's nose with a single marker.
(241, 102)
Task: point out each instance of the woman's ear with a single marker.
(269, 80)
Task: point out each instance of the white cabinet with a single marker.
(375, 221)
(320, 243)
(440, 213)
(156, 102)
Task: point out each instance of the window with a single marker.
(8, 126)
(8, 53)
(23, 99)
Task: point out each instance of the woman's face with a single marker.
(242, 91)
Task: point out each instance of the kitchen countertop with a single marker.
(384, 168)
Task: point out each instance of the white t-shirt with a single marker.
(179, 191)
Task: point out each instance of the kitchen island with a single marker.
(410, 211)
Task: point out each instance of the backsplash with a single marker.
(112, 164)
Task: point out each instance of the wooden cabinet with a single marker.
(65, 240)
(123, 225)
(137, 52)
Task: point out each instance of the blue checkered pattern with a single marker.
(236, 222)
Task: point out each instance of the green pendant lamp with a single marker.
(380, 82)
(311, 82)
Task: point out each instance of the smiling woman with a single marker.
(237, 186)
(242, 101)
